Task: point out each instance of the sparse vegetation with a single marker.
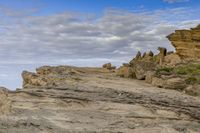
(190, 69)
(191, 80)
(164, 70)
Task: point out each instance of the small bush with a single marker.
(191, 69)
(165, 70)
(191, 80)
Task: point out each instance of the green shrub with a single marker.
(164, 70)
(191, 69)
(191, 80)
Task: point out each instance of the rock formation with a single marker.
(109, 66)
(170, 70)
(186, 43)
(94, 100)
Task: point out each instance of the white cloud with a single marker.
(73, 37)
(175, 1)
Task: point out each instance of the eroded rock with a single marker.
(186, 43)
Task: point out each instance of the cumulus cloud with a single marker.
(175, 1)
(83, 39)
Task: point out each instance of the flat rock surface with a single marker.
(95, 100)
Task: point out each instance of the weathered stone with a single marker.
(175, 83)
(150, 53)
(144, 54)
(149, 76)
(193, 90)
(162, 54)
(138, 55)
(158, 82)
(186, 43)
(141, 68)
(136, 58)
(109, 66)
(126, 72)
(172, 60)
(5, 103)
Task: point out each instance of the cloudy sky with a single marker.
(85, 32)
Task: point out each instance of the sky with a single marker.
(85, 32)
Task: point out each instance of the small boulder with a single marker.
(175, 83)
(126, 72)
(158, 82)
(142, 67)
(109, 66)
(193, 90)
(5, 103)
(149, 76)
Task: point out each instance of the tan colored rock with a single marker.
(149, 76)
(172, 59)
(193, 90)
(158, 82)
(162, 54)
(142, 67)
(109, 66)
(126, 72)
(136, 58)
(32, 79)
(186, 43)
(5, 103)
(175, 83)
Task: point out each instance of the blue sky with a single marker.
(85, 32)
(97, 6)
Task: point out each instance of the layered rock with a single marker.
(186, 43)
(94, 101)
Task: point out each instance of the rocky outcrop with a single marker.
(48, 76)
(109, 66)
(94, 100)
(126, 72)
(186, 43)
(5, 104)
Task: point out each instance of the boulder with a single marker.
(193, 90)
(175, 83)
(5, 103)
(126, 72)
(149, 76)
(158, 82)
(109, 66)
(142, 67)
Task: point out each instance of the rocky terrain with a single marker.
(150, 94)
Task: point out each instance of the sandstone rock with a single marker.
(109, 66)
(138, 55)
(172, 60)
(5, 103)
(32, 79)
(149, 76)
(144, 54)
(126, 72)
(193, 90)
(101, 102)
(141, 68)
(158, 82)
(126, 64)
(150, 53)
(162, 54)
(175, 83)
(186, 43)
